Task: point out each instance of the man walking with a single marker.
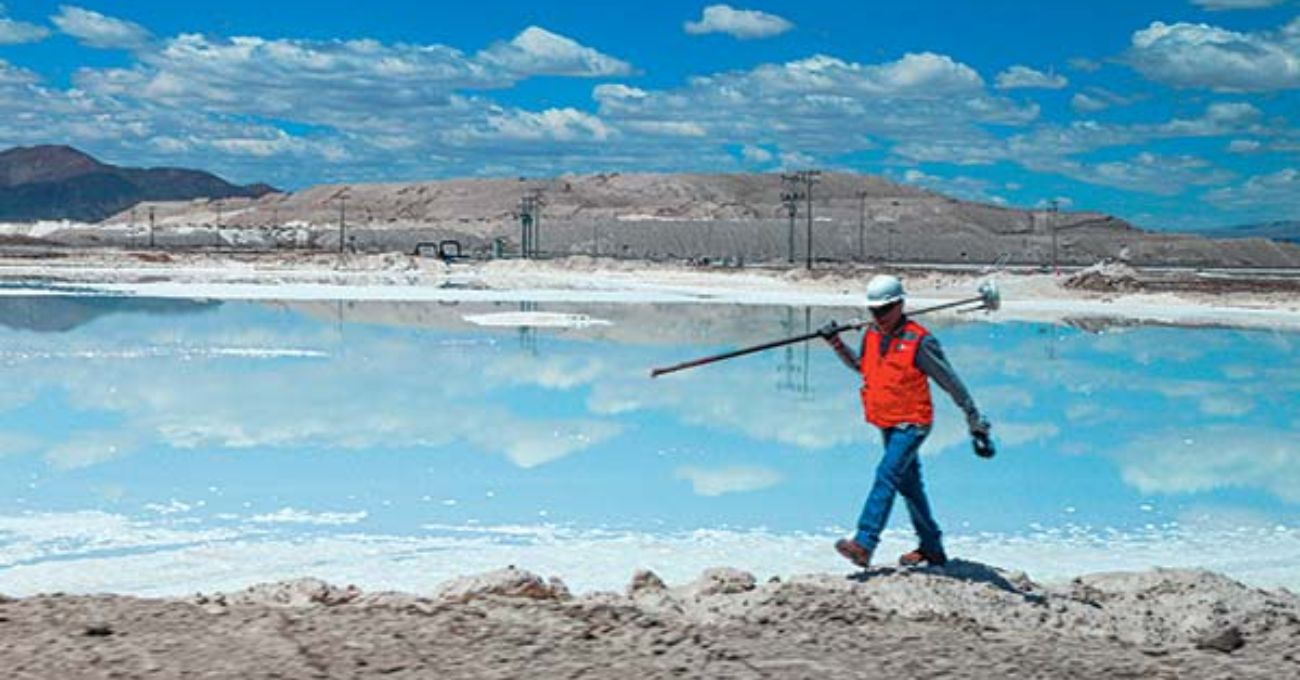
(898, 359)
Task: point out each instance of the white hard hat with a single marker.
(883, 289)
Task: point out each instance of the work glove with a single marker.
(979, 433)
(830, 330)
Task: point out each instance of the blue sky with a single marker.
(1170, 113)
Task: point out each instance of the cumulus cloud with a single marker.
(1095, 99)
(14, 32)
(1272, 193)
(755, 154)
(733, 479)
(1243, 146)
(1058, 149)
(565, 125)
(968, 188)
(745, 24)
(217, 102)
(1086, 103)
(1147, 172)
(97, 30)
(1084, 64)
(1025, 77)
(1189, 55)
(821, 105)
(537, 51)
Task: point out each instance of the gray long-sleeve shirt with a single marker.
(930, 360)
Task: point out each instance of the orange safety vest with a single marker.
(894, 391)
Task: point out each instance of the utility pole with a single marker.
(790, 197)
(807, 178)
(862, 225)
(1051, 223)
(343, 219)
(151, 221)
(530, 215)
(537, 223)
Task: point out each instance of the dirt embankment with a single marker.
(965, 620)
(718, 218)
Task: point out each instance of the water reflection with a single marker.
(385, 419)
(61, 314)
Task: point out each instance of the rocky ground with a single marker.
(966, 620)
(714, 218)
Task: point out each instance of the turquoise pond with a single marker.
(168, 446)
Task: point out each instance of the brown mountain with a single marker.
(60, 182)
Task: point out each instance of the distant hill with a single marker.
(60, 182)
(1288, 231)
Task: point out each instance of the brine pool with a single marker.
(156, 446)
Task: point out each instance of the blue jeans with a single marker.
(899, 472)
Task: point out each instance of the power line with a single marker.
(530, 218)
(790, 197)
(798, 186)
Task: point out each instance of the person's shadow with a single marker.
(958, 570)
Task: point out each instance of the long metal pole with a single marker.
(853, 325)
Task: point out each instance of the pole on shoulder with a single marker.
(839, 328)
(989, 299)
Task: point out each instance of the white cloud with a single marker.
(1086, 103)
(818, 106)
(565, 125)
(1202, 56)
(97, 30)
(755, 154)
(1147, 172)
(733, 479)
(1049, 148)
(1221, 5)
(967, 188)
(744, 24)
(537, 51)
(1025, 77)
(14, 76)
(667, 128)
(1275, 193)
(1084, 64)
(1243, 146)
(14, 32)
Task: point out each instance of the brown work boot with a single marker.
(918, 557)
(853, 552)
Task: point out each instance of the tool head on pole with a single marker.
(990, 296)
(884, 289)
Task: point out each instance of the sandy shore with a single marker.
(966, 620)
(1243, 300)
